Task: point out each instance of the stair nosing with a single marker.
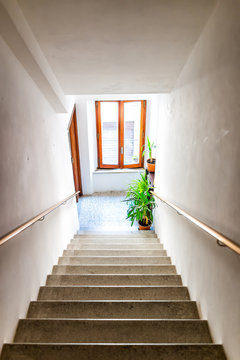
(113, 286)
(87, 256)
(114, 301)
(112, 320)
(157, 265)
(114, 275)
(114, 249)
(113, 344)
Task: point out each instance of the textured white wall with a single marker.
(36, 172)
(198, 168)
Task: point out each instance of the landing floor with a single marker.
(104, 211)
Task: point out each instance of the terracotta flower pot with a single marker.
(151, 165)
(142, 227)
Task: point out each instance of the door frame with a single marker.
(74, 149)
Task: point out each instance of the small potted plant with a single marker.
(140, 202)
(151, 161)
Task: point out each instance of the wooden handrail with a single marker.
(32, 221)
(221, 239)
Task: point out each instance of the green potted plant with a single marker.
(140, 202)
(150, 161)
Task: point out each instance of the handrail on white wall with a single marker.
(221, 239)
(32, 221)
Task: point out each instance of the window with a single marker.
(120, 133)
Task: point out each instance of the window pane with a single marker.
(132, 120)
(109, 123)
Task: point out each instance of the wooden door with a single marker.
(73, 133)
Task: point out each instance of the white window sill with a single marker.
(118, 171)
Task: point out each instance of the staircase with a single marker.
(113, 297)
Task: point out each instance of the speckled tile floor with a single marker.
(104, 211)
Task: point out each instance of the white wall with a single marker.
(114, 180)
(36, 172)
(107, 180)
(198, 169)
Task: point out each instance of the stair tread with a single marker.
(94, 253)
(117, 279)
(115, 275)
(103, 351)
(129, 309)
(115, 269)
(117, 234)
(114, 246)
(104, 330)
(114, 257)
(80, 237)
(108, 260)
(113, 292)
(118, 265)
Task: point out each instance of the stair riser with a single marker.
(126, 234)
(112, 352)
(115, 246)
(114, 253)
(113, 293)
(68, 280)
(143, 241)
(112, 331)
(114, 310)
(79, 260)
(117, 269)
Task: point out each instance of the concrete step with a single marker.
(112, 352)
(117, 309)
(114, 269)
(124, 240)
(129, 260)
(115, 246)
(68, 280)
(113, 296)
(114, 237)
(114, 253)
(113, 293)
(115, 234)
(112, 331)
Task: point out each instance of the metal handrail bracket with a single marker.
(221, 239)
(39, 217)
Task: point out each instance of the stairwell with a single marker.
(113, 297)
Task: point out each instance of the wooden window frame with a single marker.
(120, 164)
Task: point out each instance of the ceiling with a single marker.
(116, 46)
